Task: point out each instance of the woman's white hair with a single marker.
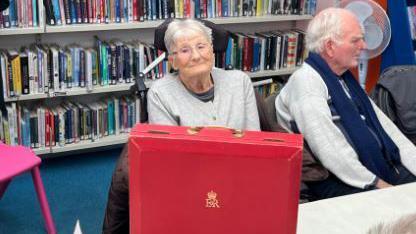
(327, 25)
(181, 28)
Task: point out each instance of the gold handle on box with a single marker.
(236, 132)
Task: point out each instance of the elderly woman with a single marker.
(197, 95)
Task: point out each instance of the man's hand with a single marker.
(382, 184)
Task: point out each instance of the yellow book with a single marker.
(16, 73)
(259, 8)
(6, 131)
(180, 9)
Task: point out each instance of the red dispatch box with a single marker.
(209, 180)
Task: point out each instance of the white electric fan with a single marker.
(377, 31)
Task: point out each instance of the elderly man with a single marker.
(350, 136)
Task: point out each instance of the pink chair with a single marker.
(14, 160)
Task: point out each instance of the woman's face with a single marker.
(192, 56)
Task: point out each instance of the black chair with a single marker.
(395, 95)
(4, 4)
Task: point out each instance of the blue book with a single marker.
(12, 13)
(72, 11)
(256, 55)
(224, 6)
(25, 127)
(210, 13)
(109, 65)
(197, 4)
(228, 52)
(57, 12)
(153, 10)
(35, 13)
(126, 12)
(110, 118)
(75, 67)
(117, 3)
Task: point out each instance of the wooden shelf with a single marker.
(124, 87)
(26, 97)
(156, 23)
(259, 19)
(87, 144)
(76, 92)
(268, 73)
(19, 31)
(102, 27)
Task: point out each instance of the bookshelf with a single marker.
(63, 35)
(125, 87)
(19, 31)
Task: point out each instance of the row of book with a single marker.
(264, 51)
(61, 12)
(68, 123)
(40, 69)
(51, 68)
(21, 14)
(269, 88)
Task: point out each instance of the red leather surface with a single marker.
(256, 181)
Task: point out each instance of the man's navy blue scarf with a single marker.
(379, 160)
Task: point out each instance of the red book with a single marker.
(187, 8)
(29, 13)
(102, 11)
(52, 128)
(206, 180)
(219, 8)
(47, 127)
(135, 17)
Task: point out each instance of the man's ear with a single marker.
(329, 48)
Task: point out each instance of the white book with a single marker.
(61, 131)
(88, 70)
(33, 71)
(2, 137)
(45, 65)
(55, 68)
(16, 123)
(138, 110)
(130, 10)
(11, 125)
(4, 76)
(41, 126)
(141, 58)
(129, 79)
(116, 115)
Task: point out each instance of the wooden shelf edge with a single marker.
(87, 144)
(156, 23)
(76, 92)
(20, 31)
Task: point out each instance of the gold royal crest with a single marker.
(211, 201)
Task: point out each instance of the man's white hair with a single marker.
(405, 225)
(327, 25)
